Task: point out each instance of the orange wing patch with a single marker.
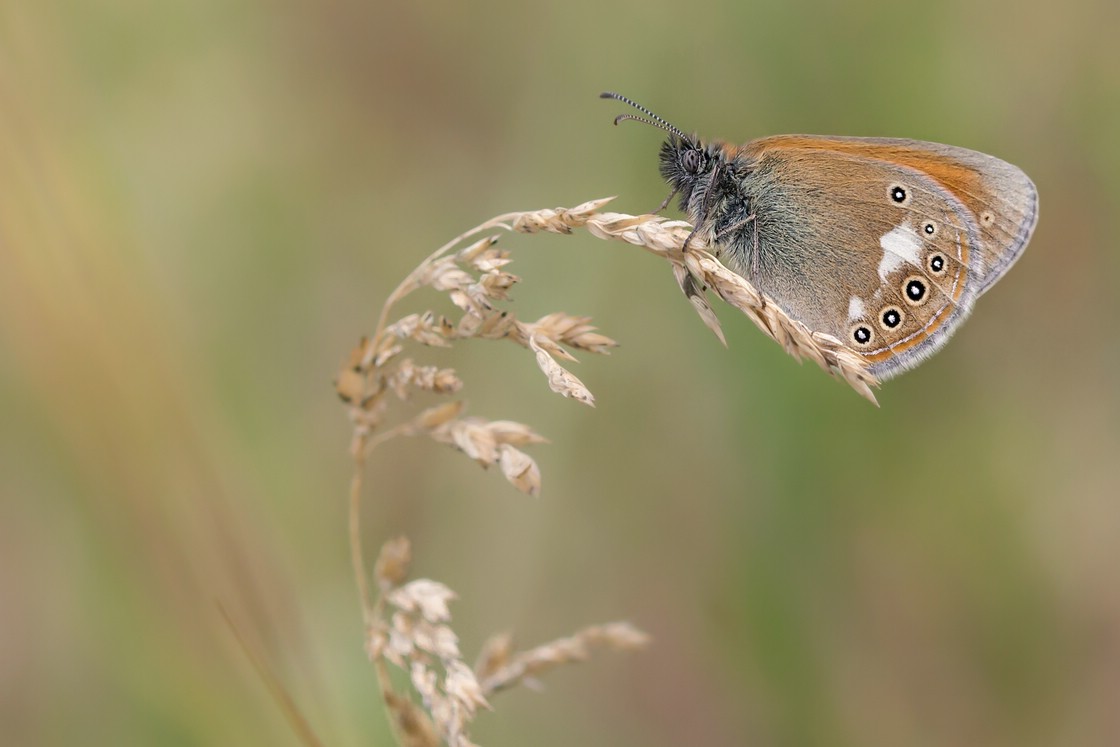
(965, 183)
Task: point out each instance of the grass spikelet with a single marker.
(498, 668)
(560, 380)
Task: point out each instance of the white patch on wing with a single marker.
(900, 244)
(855, 308)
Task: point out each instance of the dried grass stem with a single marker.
(408, 622)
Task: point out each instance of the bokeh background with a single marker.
(203, 204)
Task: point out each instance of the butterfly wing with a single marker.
(883, 243)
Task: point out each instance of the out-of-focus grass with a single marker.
(201, 206)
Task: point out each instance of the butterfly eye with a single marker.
(891, 317)
(690, 160)
(915, 290)
(936, 264)
(862, 335)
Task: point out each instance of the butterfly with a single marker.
(883, 243)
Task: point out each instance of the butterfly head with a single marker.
(691, 166)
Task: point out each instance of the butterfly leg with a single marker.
(687, 241)
(665, 203)
(707, 199)
(740, 224)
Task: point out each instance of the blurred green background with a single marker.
(202, 206)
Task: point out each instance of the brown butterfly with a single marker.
(882, 243)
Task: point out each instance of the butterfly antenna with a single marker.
(654, 120)
(636, 118)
